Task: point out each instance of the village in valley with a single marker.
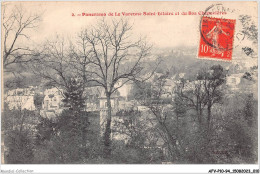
(100, 92)
(240, 78)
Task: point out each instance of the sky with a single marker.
(161, 31)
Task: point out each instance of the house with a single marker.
(168, 88)
(53, 99)
(52, 102)
(21, 98)
(119, 99)
(234, 80)
(20, 102)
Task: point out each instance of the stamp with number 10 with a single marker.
(216, 38)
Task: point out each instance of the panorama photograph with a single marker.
(129, 83)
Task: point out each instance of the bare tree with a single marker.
(192, 95)
(112, 58)
(212, 81)
(54, 64)
(16, 25)
(203, 92)
(161, 109)
(102, 56)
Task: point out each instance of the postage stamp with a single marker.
(216, 38)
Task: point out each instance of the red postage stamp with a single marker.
(216, 38)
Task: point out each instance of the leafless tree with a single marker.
(16, 25)
(212, 80)
(165, 121)
(55, 64)
(112, 57)
(204, 91)
(163, 112)
(193, 96)
(104, 56)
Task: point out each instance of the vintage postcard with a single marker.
(130, 83)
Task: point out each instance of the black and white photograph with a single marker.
(129, 82)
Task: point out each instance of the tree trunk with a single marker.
(107, 133)
(200, 114)
(22, 121)
(209, 116)
(171, 144)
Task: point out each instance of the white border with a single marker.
(167, 168)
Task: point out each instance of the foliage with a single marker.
(45, 130)
(249, 28)
(141, 91)
(20, 147)
(19, 129)
(74, 95)
(234, 133)
(66, 137)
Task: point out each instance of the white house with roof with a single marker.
(21, 98)
(53, 99)
(52, 102)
